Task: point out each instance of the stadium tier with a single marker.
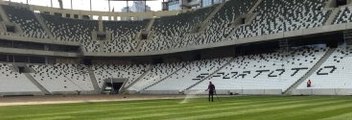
(344, 15)
(66, 29)
(271, 72)
(123, 36)
(108, 72)
(333, 77)
(183, 78)
(223, 23)
(242, 46)
(197, 27)
(156, 74)
(275, 16)
(172, 31)
(14, 83)
(26, 20)
(62, 77)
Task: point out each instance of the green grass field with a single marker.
(229, 108)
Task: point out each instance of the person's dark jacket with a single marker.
(211, 88)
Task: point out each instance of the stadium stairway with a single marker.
(150, 24)
(100, 25)
(3, 15)
(162, 79)
(78, 86)
(255, 6)
(92, 77)
(291, 89)
(251, 17)
(139, 78)
(210, 75)
(205, 23)
(149, 27)
(41, 22)
(332, 16)
(347, 36)
(36, 83)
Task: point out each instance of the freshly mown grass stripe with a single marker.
(170, 110)
(78, 108)
(266, 113)
(181, 112)
(105, 110)
(238, 110)
(345, 116)
(327, 111)
(206, 109)
(244, 107)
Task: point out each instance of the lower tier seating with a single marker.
(157, 73)
(11, 81)
(63, 77)
(182, 79)
(334, 75)
(271, 71)
(105, 72)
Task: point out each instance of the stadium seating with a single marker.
(26, 20)
(276, 70)
(275, 16)
(221, 24)
(73, 30)
(180, 31)
(183, 78)
(272, 16)
(110, 71)
(169, 32)
(63, 77)
(334, 74)
(11, 81)
(344, 15)
(156, 73)
(124, 34)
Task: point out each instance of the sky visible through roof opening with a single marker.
(97, 5)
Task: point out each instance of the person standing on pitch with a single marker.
(211, 90)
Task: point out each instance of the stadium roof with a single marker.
(96, 5)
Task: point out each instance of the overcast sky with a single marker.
(97, 5)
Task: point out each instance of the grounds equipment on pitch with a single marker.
(217, 97)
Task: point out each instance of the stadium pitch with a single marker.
(229, 108)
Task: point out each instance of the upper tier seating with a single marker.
(335, 73)
(182, 79)
(220, 26)
(275, 16)
(123, 35)
(26, 20)
(63, 77)
(276, 70)
(129, 72)
(73, 30)
(169, 32)
(11, 81)
(272, 16)
(172, 32)
(157, 73)
(344, 15)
